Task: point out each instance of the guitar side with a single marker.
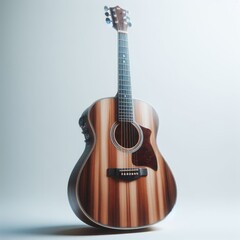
(101, 200)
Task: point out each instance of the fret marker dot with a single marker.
(124, 55)
(124, 61)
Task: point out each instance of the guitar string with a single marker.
(126, 114)
(120, 94)
(125, 133)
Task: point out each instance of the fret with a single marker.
(125, 77)
(123, 61)
(128, 118)
(125, 103)
(125, 52)
(122, 37)
(123, 67)
(124, 73)
(124, 64)
(124, 91)
(126, 111)
(126, 106)
(124, 48)
(124, 70)
(123, 56)
(123, 84)
(124, 80)
(122, 43)
(125, 120)
(123, 87)
(124, 96)
(125, 116)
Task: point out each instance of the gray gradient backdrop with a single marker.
(58, 57)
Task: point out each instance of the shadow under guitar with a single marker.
(68, 230)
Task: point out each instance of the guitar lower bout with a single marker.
(121, 181)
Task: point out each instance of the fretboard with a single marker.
(125, 105)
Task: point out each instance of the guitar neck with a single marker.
(125, 104)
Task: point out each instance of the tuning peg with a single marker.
(106, 8)
(108, 20)
(107, 14)
(127, 20)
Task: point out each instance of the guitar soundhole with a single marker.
(127, 135)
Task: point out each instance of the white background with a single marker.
(58, 57)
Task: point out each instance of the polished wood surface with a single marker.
(104, 201)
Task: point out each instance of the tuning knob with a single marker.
(108, 20)
(128, 21)
(106, 8)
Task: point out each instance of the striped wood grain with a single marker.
(101, 200)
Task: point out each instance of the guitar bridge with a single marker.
(126, 174)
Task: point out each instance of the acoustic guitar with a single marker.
(121, 181)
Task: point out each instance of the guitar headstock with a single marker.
(118, 17)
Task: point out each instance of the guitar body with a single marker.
(121, 181)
